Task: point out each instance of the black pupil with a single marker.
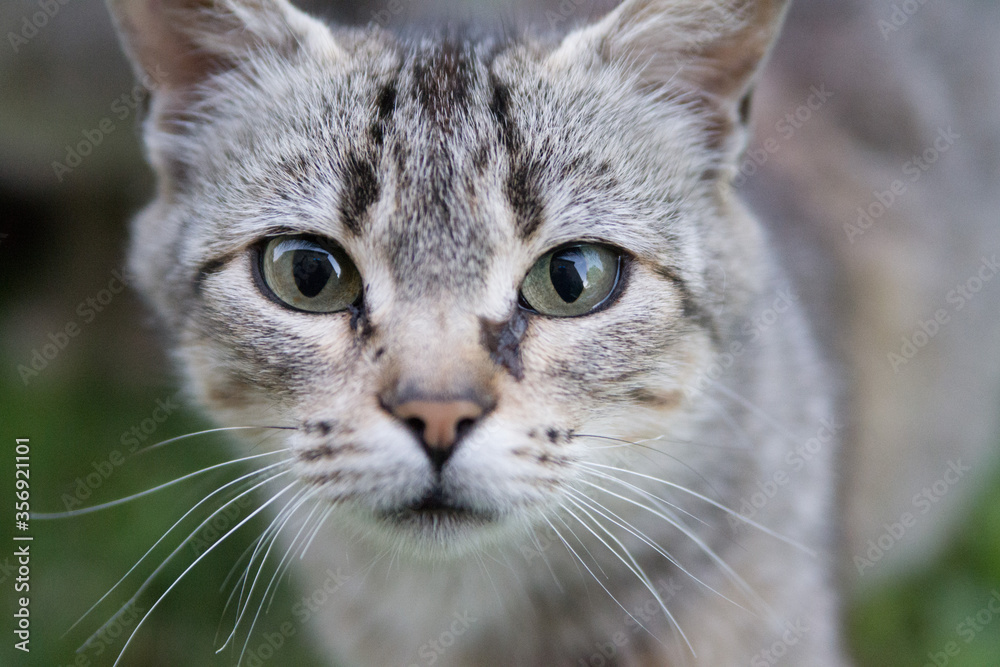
(568, 272)
(312, 270)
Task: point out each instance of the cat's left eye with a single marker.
(572, 280)
(309, 273)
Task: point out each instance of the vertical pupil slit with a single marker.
(568, 272)
(312, 270)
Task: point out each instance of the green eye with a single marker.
(572, 280)
(309, 273)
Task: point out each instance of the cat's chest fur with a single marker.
(532, 360)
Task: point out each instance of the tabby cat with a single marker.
(545, 396)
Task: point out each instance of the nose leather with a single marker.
(439, 420)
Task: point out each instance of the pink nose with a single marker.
(439, 424)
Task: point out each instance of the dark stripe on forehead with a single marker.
(360, 190)
(525, 197)
(500, 109)
(524, 172)
(443, 78)
(385, 105)
(361, 186)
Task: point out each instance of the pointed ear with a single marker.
(175, 44)
(709, 48)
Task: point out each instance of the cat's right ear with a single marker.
(177, 44)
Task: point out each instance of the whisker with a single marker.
(141, 494)
(286, 561)
(268, 536)
(206, 431)
(548, 565)
(196, 561)
(631, 528)
(694, 537)
(599, 582)
(638, 489)
(641, 444)
(164, 536)
(733, 576)
(748, 521)
(634, 567)
(241, 583)
(306, 496)
(319, 524)
(582, 544)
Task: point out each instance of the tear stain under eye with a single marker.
(359, 322)
(503, 341)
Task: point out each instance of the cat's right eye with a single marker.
(309, 273)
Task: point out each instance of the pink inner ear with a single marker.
(179, 43)
(712, 49)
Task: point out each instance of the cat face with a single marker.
(450, 268)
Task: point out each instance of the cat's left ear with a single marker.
(706, 50)
(178, 44)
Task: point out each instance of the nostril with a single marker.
(463, 427)
(439, 425)
(417, 425)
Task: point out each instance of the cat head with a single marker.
(446, 264)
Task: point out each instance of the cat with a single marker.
(535, 377)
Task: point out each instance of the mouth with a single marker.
(436, 510)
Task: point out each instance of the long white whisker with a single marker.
(750, 522)
(196, 561)
(319, 525)
(634, 567)
(631, 528)
(268, 536)
(736, 578)
(206, 431)
(286, 560)
(120, 501)
(587, 567)
(265, 538)
(306, 496)
(162, 565)
(163, 537)
(644, 448)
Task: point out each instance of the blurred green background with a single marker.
(61, 237)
